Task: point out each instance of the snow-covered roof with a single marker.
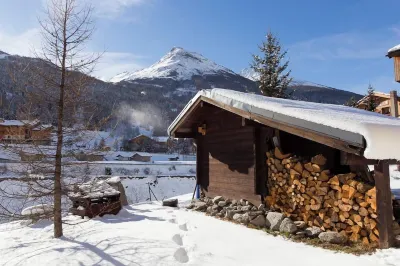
(161, 139)
(380, 132)
(42, 127)
(393, 50)
(18, 122)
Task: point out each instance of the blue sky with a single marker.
(337, 43)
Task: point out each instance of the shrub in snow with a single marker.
(172, 168)
(108, 171)
(146, 171)
(136, 171)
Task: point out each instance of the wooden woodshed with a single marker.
(234, 131)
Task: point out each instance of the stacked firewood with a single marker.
(306, 191)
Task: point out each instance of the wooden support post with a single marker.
(384, 204)
(394, 108)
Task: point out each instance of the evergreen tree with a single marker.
(102, 144)
(273, 78)
(371, 104)
(351, 102)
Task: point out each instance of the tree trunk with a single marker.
(58, 231)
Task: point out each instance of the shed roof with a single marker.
(346, 124)
(394, 51)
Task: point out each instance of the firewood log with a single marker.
(278, 154)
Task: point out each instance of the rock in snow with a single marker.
(170, 202)
(333, 237)
(274, 220)
(287, 226)
(313, 231)
(259, 221)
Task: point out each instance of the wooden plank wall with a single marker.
(226, 159)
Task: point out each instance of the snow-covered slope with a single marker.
(178, 64)
(249, 74)
(149, 234)
(3, 55)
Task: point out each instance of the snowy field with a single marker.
(149, 234)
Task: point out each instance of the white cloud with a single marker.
(348, 45)
(109, 65)
(113, 8)
(113, 63)
(22, 43)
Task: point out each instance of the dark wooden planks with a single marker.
(384, 204)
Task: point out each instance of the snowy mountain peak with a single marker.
(177, 64)
(249, 74)
(3, 55)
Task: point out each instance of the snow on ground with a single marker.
(149, 234)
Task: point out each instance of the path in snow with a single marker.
(149, 234)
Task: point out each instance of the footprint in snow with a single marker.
(183, 227)
(178, 239)
(181, 255)
(173, 221)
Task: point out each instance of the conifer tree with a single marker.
(371, 104)
(351, 102)
(273, 77)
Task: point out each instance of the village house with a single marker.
(140, 157)
(387, 104)
(148, 144)
(21, 131)
(307, 160)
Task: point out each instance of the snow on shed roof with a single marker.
(349, 124)
(394, 51)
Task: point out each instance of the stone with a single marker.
(237, 217)
(274, 220)
(300, 224)
(213, 213)
(234, 203)
(222, 203)
(170, 202)
(239, 208)
(246, 208)
(223, 211)
(215, 208)
(229, 214)
(253, 214)
(219, 215)
(261, 207)
(254, 208)
(287, 226)
(209, 209)
(217, 199)
(242, 202)
(313, 231)
(248, 203)
(259, 221)
(397, 241)
(241, 218)
(333, 237)
(190, 206)
(245, 218)
(200, 206)
(301, 233)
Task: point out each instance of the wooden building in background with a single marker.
(387, 103)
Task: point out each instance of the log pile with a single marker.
(306, 191)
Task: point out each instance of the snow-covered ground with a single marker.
(149, 234)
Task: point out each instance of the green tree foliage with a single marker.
(351, 102)
(273, 77)
(371, 104)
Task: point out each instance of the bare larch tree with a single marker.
(66, 27)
